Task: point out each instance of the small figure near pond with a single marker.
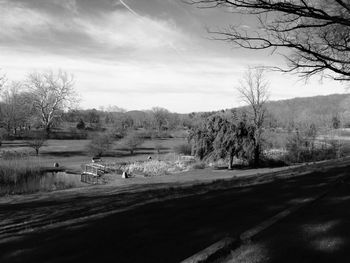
(125, 175)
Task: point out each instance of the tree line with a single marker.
(48, 101)
(119, 122)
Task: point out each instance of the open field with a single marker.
(72, 153)
(162, 230)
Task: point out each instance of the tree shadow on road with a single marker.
(166, 231)
(316, 233)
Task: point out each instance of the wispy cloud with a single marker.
(135, 55)
(117, 31)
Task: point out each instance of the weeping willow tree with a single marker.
(223, 137)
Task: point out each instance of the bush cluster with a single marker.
(198, 165)
(156, 168)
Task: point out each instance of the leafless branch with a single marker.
(316, 32)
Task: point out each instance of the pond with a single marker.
(49, 181)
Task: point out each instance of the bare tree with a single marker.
(51, 93)
(132, 141)
(100, 144)
(2, 80)
(16, 109)
(317, 32)
(37, 142)
(161, 117)
(253, 89)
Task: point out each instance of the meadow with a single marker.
(21, 171)
(72, 153)
(26, 169)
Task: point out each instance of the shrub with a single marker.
(81, 125)
(305, 149)
(184, 149)
(272, 162)
(149, 168)
(146, 134)
(156, 168)
(198, 165)
(275, 140)
(69, 135)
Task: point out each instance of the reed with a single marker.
(15, 170)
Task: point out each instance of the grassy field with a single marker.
(72, 153)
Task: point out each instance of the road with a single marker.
(147, 226)
(318, 233)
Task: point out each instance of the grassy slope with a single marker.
(166, 231)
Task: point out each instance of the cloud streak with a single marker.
(116, 32)
(135, 54)
(127, 7)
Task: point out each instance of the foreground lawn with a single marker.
(165, 231)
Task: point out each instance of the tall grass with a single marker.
(157, 167)
(16, 170)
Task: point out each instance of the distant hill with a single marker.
(318, 109)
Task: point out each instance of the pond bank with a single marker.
(187, 179)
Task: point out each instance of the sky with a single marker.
(138, 54)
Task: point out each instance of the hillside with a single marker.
(318, 109)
